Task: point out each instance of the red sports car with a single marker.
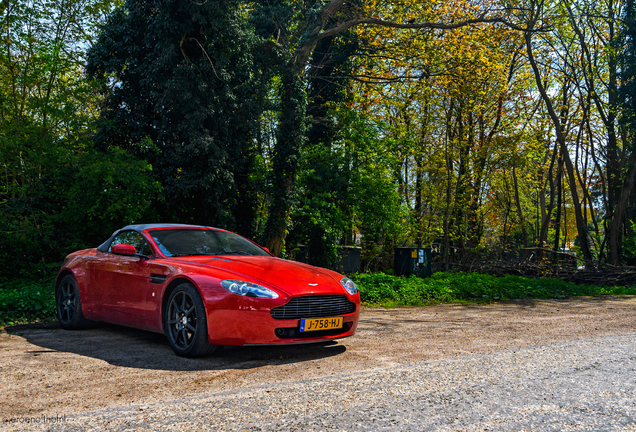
(203, 287)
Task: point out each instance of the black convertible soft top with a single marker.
(139, 228)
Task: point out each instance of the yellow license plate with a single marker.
(315, 324)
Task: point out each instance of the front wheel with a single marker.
(185, 323)
(68, 305)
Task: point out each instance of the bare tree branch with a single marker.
(317, 30)
(424, 25)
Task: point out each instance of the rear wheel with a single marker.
(68, 304)
(185, 323)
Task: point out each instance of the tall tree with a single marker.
(182, 92)
(627, 95)
(324, 180)
(536, 14)
(298, 48)
(56, 194)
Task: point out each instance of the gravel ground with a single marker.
(583, 385)
(534, 365)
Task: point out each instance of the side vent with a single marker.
(157, 278)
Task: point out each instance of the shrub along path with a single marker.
(24, 300)
(387, 290)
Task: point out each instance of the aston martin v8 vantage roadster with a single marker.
(203, 287)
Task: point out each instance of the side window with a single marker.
(132, 238)
(145, 250)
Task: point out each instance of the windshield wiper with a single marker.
(190, 254)
(211, 253)
(231, 253)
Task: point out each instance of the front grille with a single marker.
(314, 307)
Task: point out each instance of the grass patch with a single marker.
(24, 300)
(389, 291)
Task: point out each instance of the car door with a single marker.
(128, 284)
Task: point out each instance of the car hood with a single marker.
(291, 276)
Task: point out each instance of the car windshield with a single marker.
(191, 242)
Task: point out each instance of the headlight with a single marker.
(349, 285)
(248, 289)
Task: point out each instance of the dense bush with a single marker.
(76, 201)
(380, 288)
(26, 300)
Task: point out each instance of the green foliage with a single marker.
(627, 57)
(57, 193)
(383, 289)
(345, 186)
(242, 115)
(374, 196)
(318, 219)
(290, 136)
(186, 99)
(629, 244)
(26, 300)
(323, 217)
(30, 299)
(107, 190)
(78, 200)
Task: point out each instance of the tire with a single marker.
(185, 323)
(68, 305)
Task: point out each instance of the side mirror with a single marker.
(267, 250)
(123, 249)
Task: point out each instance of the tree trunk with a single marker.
(547, 214)
(615, 164)
(418, 200)
(449, 170)
(522, 220)
(619, 213)
(290, 135)
(580, 221)
(557, 217)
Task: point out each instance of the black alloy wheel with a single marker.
(185, 323)
(68, 305)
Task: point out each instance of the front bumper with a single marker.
(240, 327)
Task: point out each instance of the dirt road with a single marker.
(49, 371)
